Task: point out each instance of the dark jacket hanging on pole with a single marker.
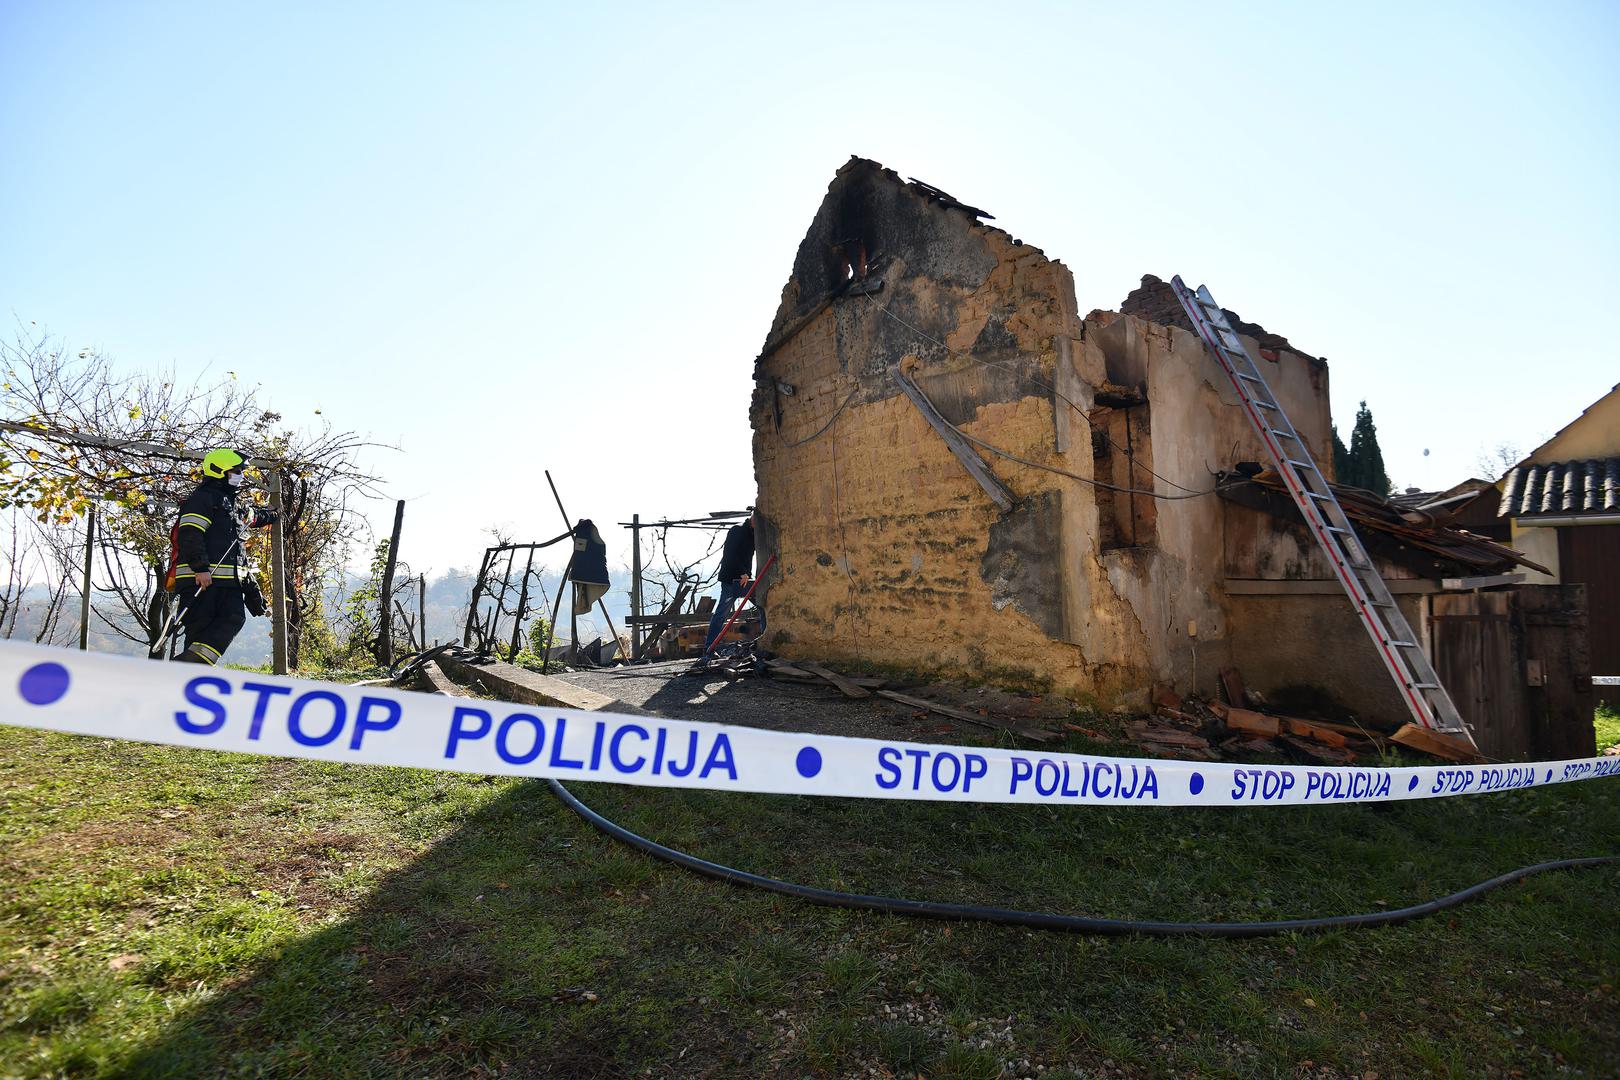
(588, 568)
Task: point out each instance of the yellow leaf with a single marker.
(135, 413)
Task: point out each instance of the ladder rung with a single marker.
(1318, 498)
(1311, 465)
(1283, 434)
(1402, 644)
(1250, 378)
(1425, 686)
(1267, 405)
(1341, 532)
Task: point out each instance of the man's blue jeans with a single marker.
(730, 593)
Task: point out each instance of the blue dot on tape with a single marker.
(1411, 783)
(43, 684)
(808, 761)
(1549, 776)
(1195, 783)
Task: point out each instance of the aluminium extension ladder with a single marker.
(1397, 646)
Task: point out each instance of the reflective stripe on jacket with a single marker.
(221, 572)
(207, 531)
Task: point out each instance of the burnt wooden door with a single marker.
(1590, 555)
(1515, 662)
(1478, 661)
(1558, 669)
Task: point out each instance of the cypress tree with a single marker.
(1341, 460)
(1366, 460)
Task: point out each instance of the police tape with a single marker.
(219, 709)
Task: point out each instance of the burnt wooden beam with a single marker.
(970, 459)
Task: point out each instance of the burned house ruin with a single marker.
(961, 474)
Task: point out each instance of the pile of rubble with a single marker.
(1194, 729)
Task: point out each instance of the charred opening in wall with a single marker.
(1122, 449)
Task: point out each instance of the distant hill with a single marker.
(446, 610)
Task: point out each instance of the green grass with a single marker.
(175, 913)
(1608, 726)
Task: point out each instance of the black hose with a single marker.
(1044, 920)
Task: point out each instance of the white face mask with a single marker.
(234, 479)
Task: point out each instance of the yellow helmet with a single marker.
(216, 463)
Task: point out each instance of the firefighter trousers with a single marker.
(212, 619)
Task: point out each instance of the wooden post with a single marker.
(551, 629)
(523, 602)
(385, 614)
(89, 563)
(573, 625)
(278, 577)
(574, 615)
(635, 586)
(494, 623)
(421, 605)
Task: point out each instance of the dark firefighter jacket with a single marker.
(206, 533)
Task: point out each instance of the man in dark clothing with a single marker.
(736, 571)
(210, 574)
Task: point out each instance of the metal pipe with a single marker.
(635, 585)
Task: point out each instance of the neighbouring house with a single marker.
(1563, 505)
(960, 473)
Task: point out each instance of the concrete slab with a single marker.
(509, 683)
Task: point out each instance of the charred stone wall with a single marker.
(890, 553)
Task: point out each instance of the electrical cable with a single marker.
(1040, 920)
(823, 429)
(1073, 476)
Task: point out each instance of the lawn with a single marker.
(176, 913)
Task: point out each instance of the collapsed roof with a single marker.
(1413, 538)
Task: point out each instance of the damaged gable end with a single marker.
(965, 477)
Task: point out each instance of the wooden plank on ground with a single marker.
(1432, 742)
(1327, 755)
(782, 667)
(1305, 729)
(1354, 731)
(1144, 731)
(845, 687)
(1037, 734)
(1252, 723)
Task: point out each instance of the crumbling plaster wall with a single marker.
(1306, 632)
(1199, 428)
(889, 553)
(1317, 640)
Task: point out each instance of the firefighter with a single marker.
(216, 590)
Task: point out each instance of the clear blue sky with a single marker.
(506, 237)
